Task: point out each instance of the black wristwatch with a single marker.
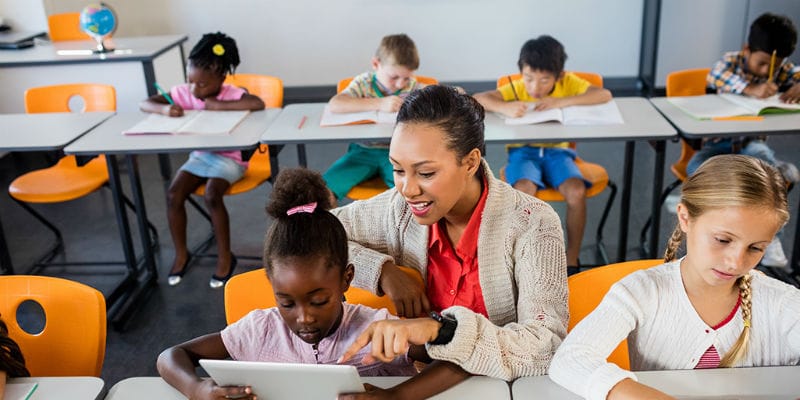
(446, 331)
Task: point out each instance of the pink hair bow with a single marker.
(305, 208)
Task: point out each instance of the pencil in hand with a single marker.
(772, 65)
(163, 92)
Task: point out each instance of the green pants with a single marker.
(359, 164)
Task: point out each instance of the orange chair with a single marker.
(67, 180)
(73, 341)
(374, 186)
(593, 173)
(252, 290)
(687, 82)
(259, 170)
(587, 289)
(66, 26)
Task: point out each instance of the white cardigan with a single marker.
(521, 267)
(651, 308)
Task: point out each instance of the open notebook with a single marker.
(19, 391)
(728, 105)
(364, 117)
(194, 122)
(599, 114)
(286, 381)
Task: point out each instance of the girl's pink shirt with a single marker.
(182, 96)
(262, 335)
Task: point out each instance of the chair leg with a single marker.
(601, 248)
(199, 208)
(58, 246)
(646, 228)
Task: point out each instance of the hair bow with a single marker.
(305, 208)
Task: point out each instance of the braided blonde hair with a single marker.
(732, 180)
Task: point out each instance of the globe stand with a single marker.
(101, 46)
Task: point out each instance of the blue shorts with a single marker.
(544, 166)
(206, 164)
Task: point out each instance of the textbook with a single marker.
(729, 105)
(19, 391)
(598, 114)
(364, 117)
(193, 122)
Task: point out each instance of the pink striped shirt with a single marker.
(711, 359)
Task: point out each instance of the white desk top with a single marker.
(479, 387)
(129, 49)
(642, 121)
(64, 388)
(285, 128)
(773, 124)
(108, 138)
(763, 382)
(47, 131)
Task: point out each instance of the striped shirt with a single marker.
(711, 359)
(730, 75)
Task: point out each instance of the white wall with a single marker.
(317, 42)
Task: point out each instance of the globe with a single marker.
(99, 22)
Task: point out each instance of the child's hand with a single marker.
(212, 103)
(172, 110)
(391, 338)
(548, 103)
(390, 104)
(514, 109)
(372, 392)
(762, 90)
(792, 95)
(207, 389)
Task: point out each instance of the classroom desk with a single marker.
(108, 139)
(762, 383)
(132, 69)
(776, 124)
(642, 122)
(477, 387)
(138, 62)
(41, 132)
(64, 388)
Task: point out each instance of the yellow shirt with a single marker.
(569, 85)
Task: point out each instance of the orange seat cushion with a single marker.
(592, 172)
(62, 182)
(367, 189)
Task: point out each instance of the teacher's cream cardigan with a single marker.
(522, 270)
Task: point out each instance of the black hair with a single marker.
(11, 360)
(217, 52)
(772, 32)
(458, 115)
(544, 53)
(317, 233)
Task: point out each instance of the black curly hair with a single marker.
(303, 234)
(11, 360)
(216, 52)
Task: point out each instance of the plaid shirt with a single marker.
(730, 74)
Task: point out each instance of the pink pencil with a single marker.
(302, 121)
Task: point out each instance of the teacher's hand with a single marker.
(391, 338)
(406, 293)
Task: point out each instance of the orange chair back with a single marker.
(268, 88)
(593, 78)
(73, 340)
(342, 85)
(587, 289)
(252, 290)
(56, 98)
(687, 82)
(66, 26)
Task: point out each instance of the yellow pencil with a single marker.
(772, 64)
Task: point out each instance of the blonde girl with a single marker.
(708, 309)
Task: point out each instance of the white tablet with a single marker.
(281, 381)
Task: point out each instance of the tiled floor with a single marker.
(173, 314)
